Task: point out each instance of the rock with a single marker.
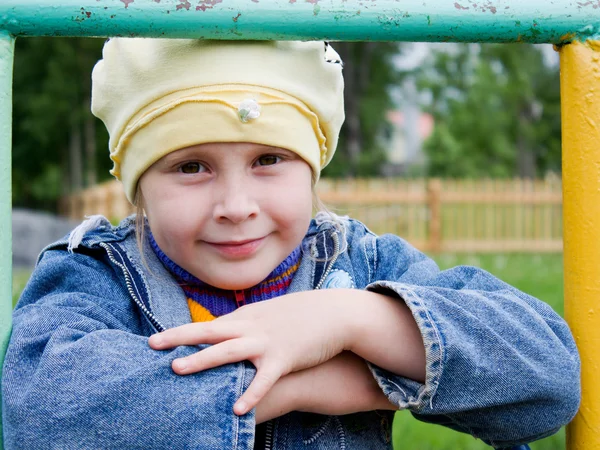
(32, 231)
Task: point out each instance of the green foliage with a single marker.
(20, 278)
(410, 434)
(368, 75)
(51, 101)
(496, 109)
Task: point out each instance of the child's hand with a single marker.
(342, 385)
(279, 336)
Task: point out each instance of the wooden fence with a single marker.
(434, 215)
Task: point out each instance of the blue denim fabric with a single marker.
(79, 374)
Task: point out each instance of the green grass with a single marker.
(19, 280)
(538, 275)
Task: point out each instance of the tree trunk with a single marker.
(90, 150)
(352, 110)
(75, 159)
(526, 164)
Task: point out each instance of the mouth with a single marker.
(233, 243)
(234, 249)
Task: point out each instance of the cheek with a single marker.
(293, 208)
(169, 219)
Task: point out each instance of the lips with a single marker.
(237, 248)
(234, 243)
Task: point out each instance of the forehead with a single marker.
(224, 148)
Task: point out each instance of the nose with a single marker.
(236, 201)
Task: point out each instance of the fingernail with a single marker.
(180, 365)
(241, 408)
(156, 340)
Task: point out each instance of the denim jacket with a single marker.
(79, 374)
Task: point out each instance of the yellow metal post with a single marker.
(580, 96)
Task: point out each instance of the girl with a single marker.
(155, 333)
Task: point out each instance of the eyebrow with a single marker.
(191, 152)
(180, 154)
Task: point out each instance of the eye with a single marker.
(268, 160)
(191, 167)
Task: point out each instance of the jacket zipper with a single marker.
(129, 283)
(336, 246)
(159, 327)
(240, 299)
(269, 435)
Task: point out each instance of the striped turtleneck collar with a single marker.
(207, 302)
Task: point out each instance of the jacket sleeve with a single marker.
(79, 373)
(500, 364)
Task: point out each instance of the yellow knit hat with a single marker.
(156, 96)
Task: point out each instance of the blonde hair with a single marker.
(140, 222)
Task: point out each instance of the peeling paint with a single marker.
(207, 4)
(591, 122)
(483, 7)
(489, 6)
(183, 4)
(389, 21)
(380, 20)
(534, 31)
(235, 19)
(346, 15)
(83, 12)
(594, 5)
(588, 30)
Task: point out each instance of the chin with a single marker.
(238, 284)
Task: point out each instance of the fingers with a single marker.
(264, 380)
(231, 351)
(195, 334)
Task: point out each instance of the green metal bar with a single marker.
(534, 21)
(7, 47)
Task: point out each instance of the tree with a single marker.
(369, 74)
(496, 109)
(55, 137)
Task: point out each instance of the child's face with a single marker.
(228, 213)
